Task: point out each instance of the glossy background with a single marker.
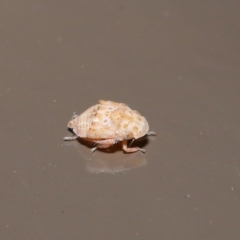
(177, 62)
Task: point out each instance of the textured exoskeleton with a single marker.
(107, 123)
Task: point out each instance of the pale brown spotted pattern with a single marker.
(107, 123)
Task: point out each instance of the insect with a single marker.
(107, 123)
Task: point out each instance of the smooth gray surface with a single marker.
(177, 62)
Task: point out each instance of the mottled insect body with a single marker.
(107, 123)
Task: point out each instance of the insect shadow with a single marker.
(140, 142)
(116, 147)
(99, 162)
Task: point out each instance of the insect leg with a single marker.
(126, 149)
(70, 138)
(151, 133)
(103, 143)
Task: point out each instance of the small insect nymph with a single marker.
(107, 123)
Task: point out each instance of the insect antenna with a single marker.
(131, 142)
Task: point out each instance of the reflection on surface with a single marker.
(111, 161)
(117, 162)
